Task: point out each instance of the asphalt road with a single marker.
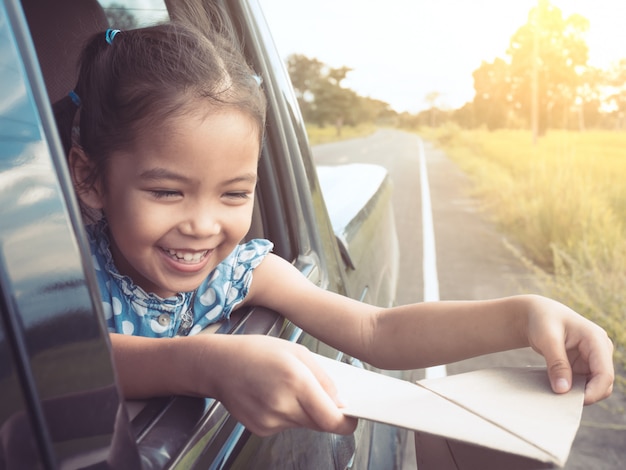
(473, 263)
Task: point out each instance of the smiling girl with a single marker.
(167, 132)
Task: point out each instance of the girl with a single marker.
(167, 131)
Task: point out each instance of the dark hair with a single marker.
(144, 77)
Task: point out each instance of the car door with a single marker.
(60, 401)
(56, 359)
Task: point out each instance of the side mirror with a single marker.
(359, 204)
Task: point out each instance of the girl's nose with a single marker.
(202, 222)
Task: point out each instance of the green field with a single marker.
(563, 204)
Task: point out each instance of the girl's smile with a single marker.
(186, 261)
(186, 257)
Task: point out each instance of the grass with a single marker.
(321, 135)
(563, 202)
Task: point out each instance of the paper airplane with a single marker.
(500, 418)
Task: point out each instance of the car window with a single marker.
(128, 14)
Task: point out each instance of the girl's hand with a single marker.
(269, 385)
(570, 342)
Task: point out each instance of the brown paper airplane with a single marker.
(500, 418)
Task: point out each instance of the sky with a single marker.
(402, 50)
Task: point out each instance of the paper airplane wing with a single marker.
(509, 410)
(520, 401)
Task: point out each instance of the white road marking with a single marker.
(431, 279)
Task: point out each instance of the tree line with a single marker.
(325, 101)
(544, 82)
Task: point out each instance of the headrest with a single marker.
(59, 30)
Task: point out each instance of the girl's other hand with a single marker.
(571, 343)
(269, 385)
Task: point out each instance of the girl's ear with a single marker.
(88, 189)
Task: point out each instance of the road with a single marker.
(473, 263)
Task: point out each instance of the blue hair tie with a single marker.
(109, 35)
(75, 98)
(258, 79)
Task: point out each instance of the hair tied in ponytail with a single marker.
(110, 34)
(75, 98)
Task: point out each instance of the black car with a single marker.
(61, 406)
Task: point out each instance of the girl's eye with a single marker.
(164, 193)
(238, 195)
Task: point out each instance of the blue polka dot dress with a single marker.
(128, 309)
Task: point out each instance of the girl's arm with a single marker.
(420, 335)
(266, 383)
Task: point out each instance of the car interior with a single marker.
(58, 32)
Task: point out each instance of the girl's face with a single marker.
(182, 201)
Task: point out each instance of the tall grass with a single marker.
(563, 202)
(321, 135)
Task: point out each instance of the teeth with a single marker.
(187, 256)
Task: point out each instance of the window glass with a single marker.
(128, 14)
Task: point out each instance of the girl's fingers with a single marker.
(601, 371)
(321, 402)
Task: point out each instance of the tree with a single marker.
(120, 17)
(305, 74)
(432, 98)
(333, 103)
(465, 116)
(589, 100)
(373, 110)
(493, 101)
(543, 80)
(556, 47)
(324, 100)
(616, 81)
